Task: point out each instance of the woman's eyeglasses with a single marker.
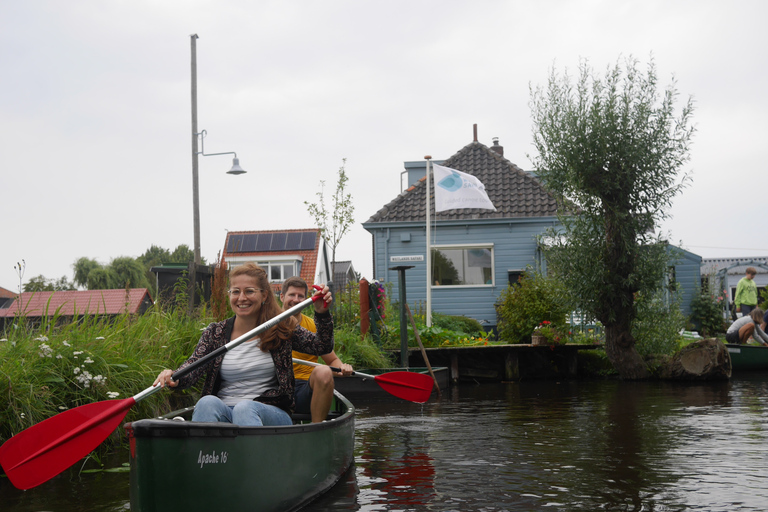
(249, 292)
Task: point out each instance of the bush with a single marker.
(657, 326)
(707, 313)
(523, 306)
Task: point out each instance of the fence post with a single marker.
(365, 307)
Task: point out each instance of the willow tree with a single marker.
(611, 148)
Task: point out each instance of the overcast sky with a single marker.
(95, 111)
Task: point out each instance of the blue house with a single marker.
(475, 253)
(684, 269)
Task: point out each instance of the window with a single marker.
(462, 265)
(279, 271)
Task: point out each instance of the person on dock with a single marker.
(253, 383)
(747, 326)
(746, 293)
(314, 384)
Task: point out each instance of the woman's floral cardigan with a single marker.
(218, 334)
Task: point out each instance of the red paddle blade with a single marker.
(411, 386)
(42, 451)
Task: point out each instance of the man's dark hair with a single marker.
(296, 282)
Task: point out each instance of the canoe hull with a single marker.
(361, 388)
(748, 357)
(179, 465)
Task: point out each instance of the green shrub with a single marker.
(524, 305)
(707, 313)
(657, 326)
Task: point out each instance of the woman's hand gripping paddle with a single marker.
(37, 454)
(414, 387)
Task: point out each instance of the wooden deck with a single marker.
(504, 362)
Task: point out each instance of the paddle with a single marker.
(414, 387)
(44, 450)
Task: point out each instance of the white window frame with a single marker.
(267, 263)
(465, 247)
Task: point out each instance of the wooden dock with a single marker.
(504, 362)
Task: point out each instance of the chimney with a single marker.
(496, 147)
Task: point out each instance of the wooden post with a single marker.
(365, 307)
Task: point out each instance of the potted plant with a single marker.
(546, 334)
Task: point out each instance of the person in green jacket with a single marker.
(746, 293)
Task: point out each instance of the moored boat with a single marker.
(362, 388)
(748, 357)
(177, 464)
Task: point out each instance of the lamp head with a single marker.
(236, 169)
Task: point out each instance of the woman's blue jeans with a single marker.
(247, 413)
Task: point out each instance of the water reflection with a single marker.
(560, 446)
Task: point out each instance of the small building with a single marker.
(343, 274)
(282, 253)
(65, 305)
(684, 269)
(727, 272)
(7, 297)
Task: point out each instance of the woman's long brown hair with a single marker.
(280, 333)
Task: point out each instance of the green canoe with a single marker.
(182, 465)
(748, 357)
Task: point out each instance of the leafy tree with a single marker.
(342, 212)
(128, 272)
(83, 267)
(610, 149)
(41, 284)
(102, 279)
(182, 254)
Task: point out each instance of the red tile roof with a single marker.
(7, 294)
(71, 303)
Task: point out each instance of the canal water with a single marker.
(539, 445)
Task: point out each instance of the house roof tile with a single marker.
(514, 192)
(78, 302)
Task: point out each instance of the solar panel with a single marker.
(264, 242)
(307, 240)
(234, 242)
(249, 242)
(278, 241)
(293, 241)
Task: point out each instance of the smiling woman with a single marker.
(254, 384)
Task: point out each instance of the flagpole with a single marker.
(429, 249)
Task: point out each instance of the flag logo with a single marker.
(458, 190)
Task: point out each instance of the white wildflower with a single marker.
(77, 370)
(23, 415)
(99, 337)
(77, 352)
(59, 356)
(41, 338)
(66, 343)
(62, 408)
(85, 378)
(113, 394)
(100, 379)
(3, 339)
(45, 350)
(88, 360)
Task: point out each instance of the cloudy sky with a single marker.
(95, 111)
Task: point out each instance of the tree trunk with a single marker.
(621, 352)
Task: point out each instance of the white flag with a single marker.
(455, 190)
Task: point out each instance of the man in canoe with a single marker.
(252, 384)
(314, 384)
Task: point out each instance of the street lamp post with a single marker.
(236, 169)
